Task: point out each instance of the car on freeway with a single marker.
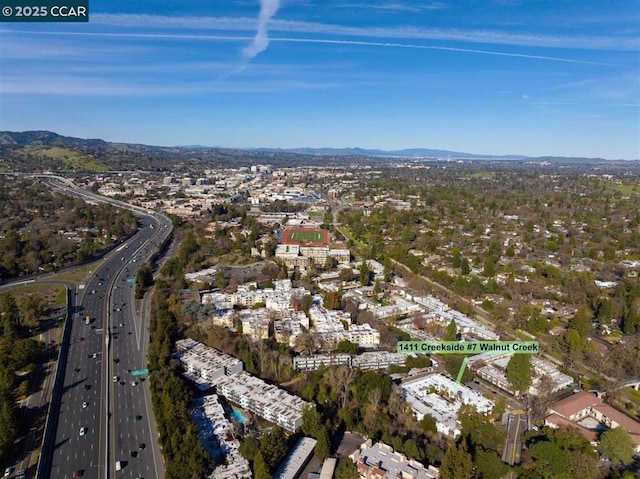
(133, 383)
(115, 379)
(83, 431)
(142, 446)
(85, 404)
(8, 471)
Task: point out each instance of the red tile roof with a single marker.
(575, 403)
(559, 421)
(631, 425)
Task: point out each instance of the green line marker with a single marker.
(462, 368)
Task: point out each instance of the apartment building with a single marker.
(266, 400)
(380, 461)
(203, 364)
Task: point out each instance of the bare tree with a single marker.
(341, 378)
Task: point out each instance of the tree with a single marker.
(346, 469)
(452, 332)
(346, 274)
(457, 463)
(273, 447)
(428, 425)
(260, 469)
(489, 465)
(249, 448)
(550, 460)
(346, 346)
(581, 322)
(465, 268)
(321, 450)
(455, 257)
(410, 448)
(616, 444)
(519, 372)
(310, 421)
(365, 274)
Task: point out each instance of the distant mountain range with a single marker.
(36, 150)
(406, 153)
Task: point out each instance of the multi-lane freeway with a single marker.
(104, 427)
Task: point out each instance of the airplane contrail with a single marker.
(319, 40)
(268, 9)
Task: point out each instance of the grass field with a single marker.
(303, 236)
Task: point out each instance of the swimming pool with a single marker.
(237, 415)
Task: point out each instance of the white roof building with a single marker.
(380, 461)
(217, 435)
(266, 400)
(442, 397)
(204, 364)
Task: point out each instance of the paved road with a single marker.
(101, 421)
(516, 426)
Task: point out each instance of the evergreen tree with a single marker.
(310, 421)
(365, 274)
(519, 371)
(260, 469)
(457, 463)
(452, 332)
(273, 448)
(321, 450)
(465, 268)
(346, 469)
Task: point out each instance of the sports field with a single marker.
(312, 236)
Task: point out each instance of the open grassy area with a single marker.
(71, 159)
(313, 236)
(78, 274)
(483, 175)
(53, 294)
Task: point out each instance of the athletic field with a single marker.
(307, 236)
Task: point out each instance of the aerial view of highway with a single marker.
(100, 420)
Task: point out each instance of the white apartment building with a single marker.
(313, 362)
(442, 397)
(378, 360)
(266, 400)
(204, 364)
(217, 435)
(380, 461)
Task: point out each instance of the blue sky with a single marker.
(532, 77)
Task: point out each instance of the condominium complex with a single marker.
(441, 397)
(210, 367)
(266, 400)
(204, 364)
(367, 360)
(380, 461)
